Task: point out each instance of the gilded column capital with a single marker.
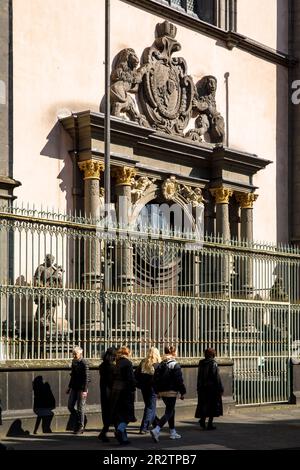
(246, 200)
(123, 175)
(221, 195)
(91, 168)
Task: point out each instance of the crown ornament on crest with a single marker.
(166, 29)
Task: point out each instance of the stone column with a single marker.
(209, 215)
(246, 275)
(222, 196)
(92, 276)
(222, 271)
(124, 249)
(246, 202)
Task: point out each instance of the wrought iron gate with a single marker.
(260, 348)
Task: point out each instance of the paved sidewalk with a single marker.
(264, 428)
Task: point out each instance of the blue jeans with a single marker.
(149, 398)
(75, 397)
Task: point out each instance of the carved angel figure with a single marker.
(125, 78)
(139, 186)
(209, 120)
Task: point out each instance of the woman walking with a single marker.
(106, 371)
(144, 376)
(168, 382)
(210, 390)
(122, 395)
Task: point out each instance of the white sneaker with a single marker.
(175, 435)
(155, 434)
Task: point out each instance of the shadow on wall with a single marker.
(58, 145)
(43, 404)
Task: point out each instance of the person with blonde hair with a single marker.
(122, 394)
(144, 376)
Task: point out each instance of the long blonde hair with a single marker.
(152, 357)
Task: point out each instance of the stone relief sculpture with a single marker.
(166, 95)
(139, 186)
(125, 78)
(209, 120)
(192, 196)
(171, 190)
(166, 92)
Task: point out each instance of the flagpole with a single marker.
(107, 109)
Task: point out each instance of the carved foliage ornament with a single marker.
(91, 168)
(123, 175)
(246, 200)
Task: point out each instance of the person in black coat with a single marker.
(122, 395)
(106, 371)
(78, 389)
(210, 390)
(168, 384)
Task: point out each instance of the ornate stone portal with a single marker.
(167, 96)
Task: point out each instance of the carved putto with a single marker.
(209, 120)
(125, 78)
(139, 187)
(166, 92)
(192, 196)
(173, 190)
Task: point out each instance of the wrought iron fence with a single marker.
(104, 286)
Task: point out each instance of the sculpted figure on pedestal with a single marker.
(47, 275)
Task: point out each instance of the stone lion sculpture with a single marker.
(209, 120)
(125, 78)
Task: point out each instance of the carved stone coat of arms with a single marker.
(166, 91)
(167, 96)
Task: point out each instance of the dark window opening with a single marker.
(221, 13)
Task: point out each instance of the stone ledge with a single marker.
(62, 364)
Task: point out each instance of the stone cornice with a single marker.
(229, 38)
(213, 163)
(8, 183)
